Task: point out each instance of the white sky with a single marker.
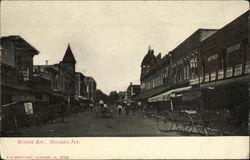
(110, 39)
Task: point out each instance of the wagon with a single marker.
(189, 114)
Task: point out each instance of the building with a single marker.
(90, 92)
(16, 70)
(47, 79)
(132, 92)
(184, 58)
(154, 70)
(68, 63)
(174, 70)
(224, 71)
(79, 85)
(122, 96)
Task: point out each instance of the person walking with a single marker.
(91, 107)
(127, 107)
(119, 109)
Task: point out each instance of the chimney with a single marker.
(131, 83)
(46, 62)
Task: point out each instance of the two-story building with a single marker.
(132, 92)
(224, 71)
(154, 73)
(90, 91)
(16, 70)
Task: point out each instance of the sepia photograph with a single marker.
(123, 69)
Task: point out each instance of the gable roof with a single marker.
(19, 43)
(68, 56)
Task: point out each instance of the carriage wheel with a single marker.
(200, 126)
(213, 130)
(169, 121)
(164, 121)
(178, 122)
(186, 122)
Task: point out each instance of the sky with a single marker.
(110, 39)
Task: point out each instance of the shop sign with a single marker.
(211, 58)
(233, 48)
(238, 70)
(220, 74)
(229, 72)
(213, 76)
(28, 108)
(247, 68)
(207, 77)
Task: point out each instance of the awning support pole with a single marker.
(171, 103)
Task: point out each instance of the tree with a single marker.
(101, 96)
(113, 97)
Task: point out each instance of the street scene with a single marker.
(86, 124)
(105, 70)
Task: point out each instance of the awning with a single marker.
(152, 92)
(81, 98)
(166, 96)
(227, 82)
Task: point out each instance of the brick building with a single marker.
(184, 58)
(224, 67)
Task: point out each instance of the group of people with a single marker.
(128, 108)
(120, 107)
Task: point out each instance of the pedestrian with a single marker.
(105, 106)
(119, 109)
(91, 107)
(127, 107)
(63, 111)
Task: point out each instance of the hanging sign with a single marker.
(213, 76)
(247, 67)
(220, 74)
(28, 108)
(238, 70)
(212, 58)
(229, 72)
(207, 77)
(233, 48)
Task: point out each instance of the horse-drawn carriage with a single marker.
(190, 111)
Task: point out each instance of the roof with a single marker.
(149, 58)
(192, 42)
(89, 79)
(50, 68)
(20, 43)
(79, 73)
(68, 56)
(134, 86)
